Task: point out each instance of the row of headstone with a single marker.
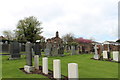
(72, 68)
(54, 49)
(106, 54)
(116, 55)
(5, 47)
(15, 49)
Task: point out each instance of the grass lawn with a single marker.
(88, 68)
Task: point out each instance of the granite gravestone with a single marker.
(29, 53)
(48, 49)
(47, 52)
(61, 51)
(55, 50)
(29, 67)
(14, 50)
(96, 55)
(37, 49)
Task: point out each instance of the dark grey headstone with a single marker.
(61, 51)
(14, 50)
(37, 49)
(5, 47)
(29, 53)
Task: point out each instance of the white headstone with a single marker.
(105, 55)
(45, 65)
(73, 71)
(36, 62)
(116, 56)
(56, 69)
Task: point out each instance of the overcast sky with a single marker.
(84, 18)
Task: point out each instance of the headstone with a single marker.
(47, 52)
(61, 51)
(55, 50)
(56, 69)
(73, 71)
(48, 49)
(36, 62)
(105, 55)
(29, 53)
(116, 56)
(96, 55)
(14, 50)
(45, 65)
(73, 50)
(37, 49)
(29, 67)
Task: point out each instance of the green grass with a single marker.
(4, 53)
(88, 68)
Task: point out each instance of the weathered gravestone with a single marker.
(96, 55)
(116, 56)
(47, 52)
(73, 50)
(61, 51)
(37, 49)
(55, 50)
(48, 49)
(14, 50)
(5, 47)
(29, 67)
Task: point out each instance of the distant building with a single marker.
(55, 44)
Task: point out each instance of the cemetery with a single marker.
(59, 61)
